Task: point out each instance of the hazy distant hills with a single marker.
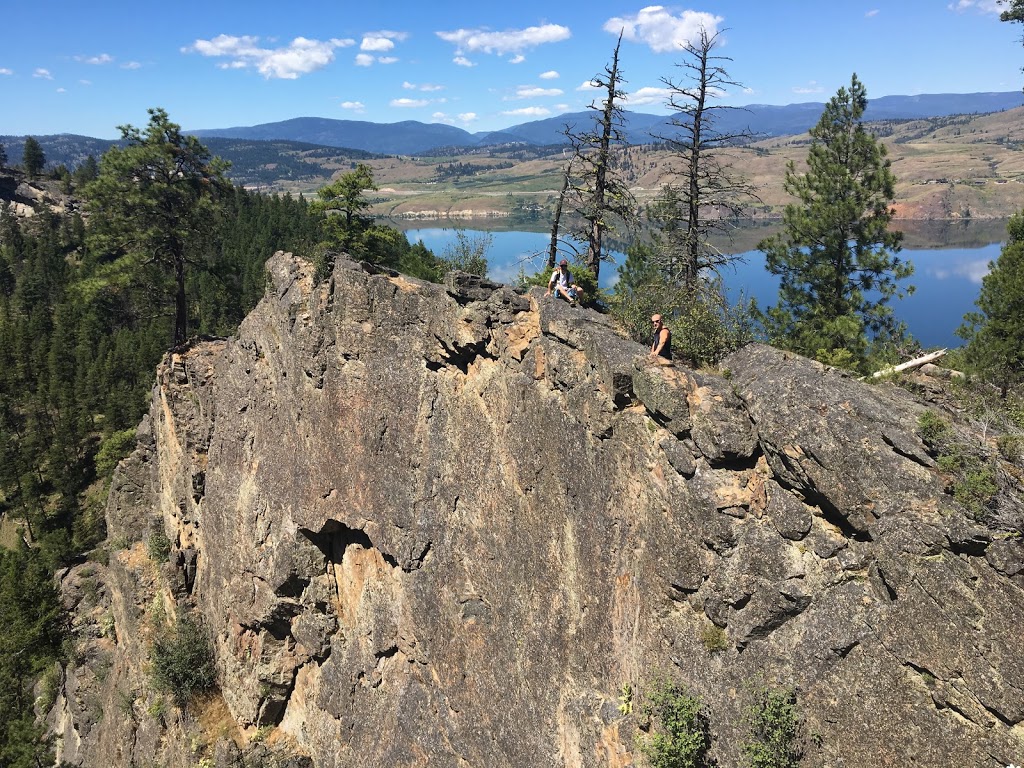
(406, 138)
(411, 137)
(302, 153)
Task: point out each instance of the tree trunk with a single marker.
(553, 247)
(180, 303)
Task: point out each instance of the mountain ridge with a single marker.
(763, 120)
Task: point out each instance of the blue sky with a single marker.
(86, 67)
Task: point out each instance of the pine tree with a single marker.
(996, 334)
(153, 203)
(32, 158)
(836, 258)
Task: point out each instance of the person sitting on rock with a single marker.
(561, 282)
(661, 343)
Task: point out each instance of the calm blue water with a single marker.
(946, 279)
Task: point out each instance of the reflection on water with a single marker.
(950, 259)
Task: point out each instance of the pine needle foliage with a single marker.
(836, 257)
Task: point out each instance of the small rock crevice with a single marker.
(335, 537)
(460, 356)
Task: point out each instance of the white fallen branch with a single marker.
(917, 362)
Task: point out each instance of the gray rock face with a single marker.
(445, 525)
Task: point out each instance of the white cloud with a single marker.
(587, 85)
(379, 44)
(528, 112)
(387, 59)
(871, 13)
(300, 57)
(517, 59)
(355, 106)
(131, 65)
(6, 71)
(409, 102)
(61, 90)
(364, 60)
(647, 95)
(103, 58)
(467, 117)
(984, 6)
(509, 41)
(658, 28)
(85, 82)
(441, 117)
(42, 73)
(972, 269)
(462, 61)
(549, 75)
(811, 87)
(531, 92)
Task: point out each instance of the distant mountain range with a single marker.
(411, 137)
(245, 144)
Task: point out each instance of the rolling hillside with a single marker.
(947, 167)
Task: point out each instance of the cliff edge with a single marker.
(446, 525)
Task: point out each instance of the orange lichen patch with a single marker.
(610, 749)
(734, 494)
(793, 451)
(359, 570)
(758, 494)
(404, 284)
(539, 363)
(520, 336)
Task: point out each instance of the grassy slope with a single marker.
(947, 168)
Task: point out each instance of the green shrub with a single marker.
(113, 448)
(774, 730)
(933, 428)
(680, 735)
(974, 488)
(323, 262)
(182, 661)
(1011, 447)
(158, 546)
(714, 638)
(971, 475)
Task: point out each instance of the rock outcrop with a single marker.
(446, 524)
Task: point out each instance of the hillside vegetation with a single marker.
(953, 167)
(946, 168)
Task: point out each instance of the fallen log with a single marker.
(915, 363)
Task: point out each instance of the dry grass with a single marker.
(946, 168)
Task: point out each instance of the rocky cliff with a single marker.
(447, 524)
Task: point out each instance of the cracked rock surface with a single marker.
(444, 524)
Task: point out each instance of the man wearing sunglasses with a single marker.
(661, 344)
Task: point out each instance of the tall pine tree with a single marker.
(153, 204)
(836, 257)
(32, 157)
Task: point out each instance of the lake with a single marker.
(949, 258)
